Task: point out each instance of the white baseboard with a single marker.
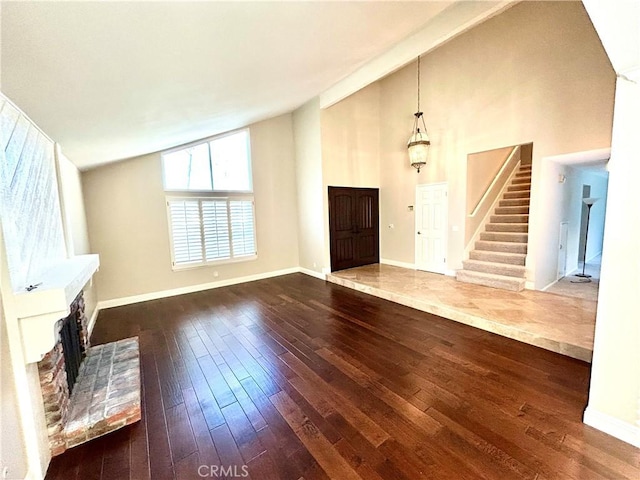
(313, 273)
(615, 427)
(394, 263)
(550, 285)
(450, 272)
(529, 285)
(118, 302)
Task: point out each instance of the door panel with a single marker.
(353, 227)
(431, 228)
(344, 212)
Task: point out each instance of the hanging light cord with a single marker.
(418, 110)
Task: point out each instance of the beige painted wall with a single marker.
(351, 146)
(522, 76)
(482, 168)
(308, 154)
(127, 219)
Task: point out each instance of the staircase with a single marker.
(499, 257)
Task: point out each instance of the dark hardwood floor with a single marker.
(293, 377)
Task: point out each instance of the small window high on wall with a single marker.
(210, 205)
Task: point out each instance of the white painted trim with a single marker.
(92, 320)
(118, 302)
(313, 273)
(395, 263)
(551, 285)
(449, 23)
(613, 426)
(582, 158)
(31, 476)
(528, 285)
(450, 272)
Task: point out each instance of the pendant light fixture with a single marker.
(419, 142)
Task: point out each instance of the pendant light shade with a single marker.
(419, 143)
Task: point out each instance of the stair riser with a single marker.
(509, 218)
(516, 285)
(504, 237)
(508, 227)
(484, 256)
(519, 187)
(514, 202)
(523, 173)
(501, 247)
(495, 269)
(521, 180)
(519, 194)
(512, 210)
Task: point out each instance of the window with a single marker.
(210, 202)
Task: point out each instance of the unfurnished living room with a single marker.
(319, 240)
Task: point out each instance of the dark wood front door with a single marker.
(353, 227)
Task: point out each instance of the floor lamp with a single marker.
(583, 277)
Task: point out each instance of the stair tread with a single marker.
(501, 254)
(501, 265)
(498, 242)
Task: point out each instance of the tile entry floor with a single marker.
(558, 323)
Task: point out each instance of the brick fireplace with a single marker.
(54, 380)
(105, 395)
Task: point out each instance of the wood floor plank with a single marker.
(117, 455)
(181, 440)
(242, 431)
(204, 443)
(230, 456)
(329, 459)
(295, 378)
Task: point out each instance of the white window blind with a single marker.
(185, 231)
(242, 227)
(215, 226)
(205, 230)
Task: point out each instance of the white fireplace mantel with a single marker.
(39, 310)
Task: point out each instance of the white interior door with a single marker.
(562, 250)
(431, 227)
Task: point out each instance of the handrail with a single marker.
(495, 181)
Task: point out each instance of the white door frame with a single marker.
(562, 250)
(419, 188)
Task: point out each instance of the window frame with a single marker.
(207, 141)
(203, 195)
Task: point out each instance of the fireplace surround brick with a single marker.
(107, 393)
(53, 380)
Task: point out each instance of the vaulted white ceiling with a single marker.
(112, 80)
